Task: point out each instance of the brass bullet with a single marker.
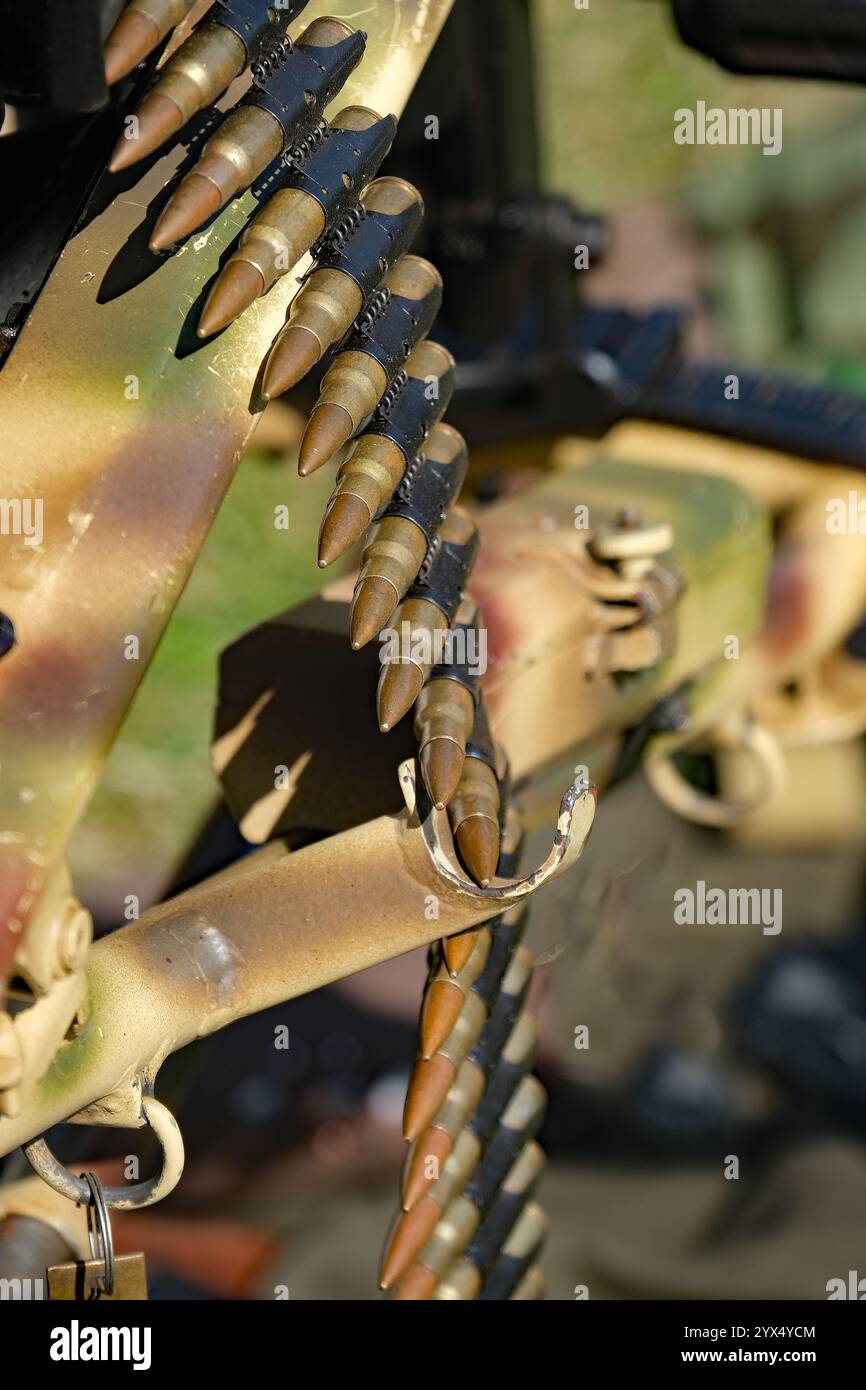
(411, 404)
(457, 949)
(474, 815)
(427, 1155)
(392, 551)
(505, 1077)
(517, 1127)
(506, 1008)
(398, 543)
(416, 1286)
(459, 1229)
(445, 713)
(474, 809)
(319, 190)
(269, 119)
(412, 1229)
(345, 280)
(366, 479)
(424, 615)
(432, 1077)
(231, 35)
(517, 1256)
(506, 931)
(445, 996)
(450, 1235)
(139, 28)
(505, 1209)
(460, 1284)
(361, 373)
(532, 1286)
(401, 678)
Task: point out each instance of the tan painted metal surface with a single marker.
(128, 431)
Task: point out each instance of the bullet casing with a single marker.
(477, 795)
(506, 932)
(451, 1235)
(399, 543)
(294, 83)
(460, 1284)
(508, 1072)
(444, 709)
(530, 1288)
(348, 268)
(505, 1210)
(459, 1103)
(139, 27)
(371, 241)
(393, 551)
(466, 1031)
(408, 416)
(315, 197)
(506, 1010)
(444, 574)
(465, 977)
(428, 1153)
(369, 474)
(517, 1255)
(459, 1166)
(518, 1127)
(230, 35)
(445, 996)
(423, 620)
(371, 356)
(259, 129)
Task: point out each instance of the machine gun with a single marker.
(647, 595)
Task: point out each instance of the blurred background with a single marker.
(735, 1044)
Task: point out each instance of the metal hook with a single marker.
(140, 1194)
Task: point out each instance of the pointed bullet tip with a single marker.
(458, 949)
(193, 202)
(374, 602)
(239, 285)
(345, 522)
(328, 428)
(158, 119)
(441, 765)
(130, 41)
(478, 844)
(295, 351)
(399, 686)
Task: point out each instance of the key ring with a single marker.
(99, 1236)
(140, 1194)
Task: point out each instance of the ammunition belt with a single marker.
(372, 247)
(409, 419)
(444, 573)
(426, 491)
(390, 338)
(282, 89)
(322, 171)
(255, 24)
